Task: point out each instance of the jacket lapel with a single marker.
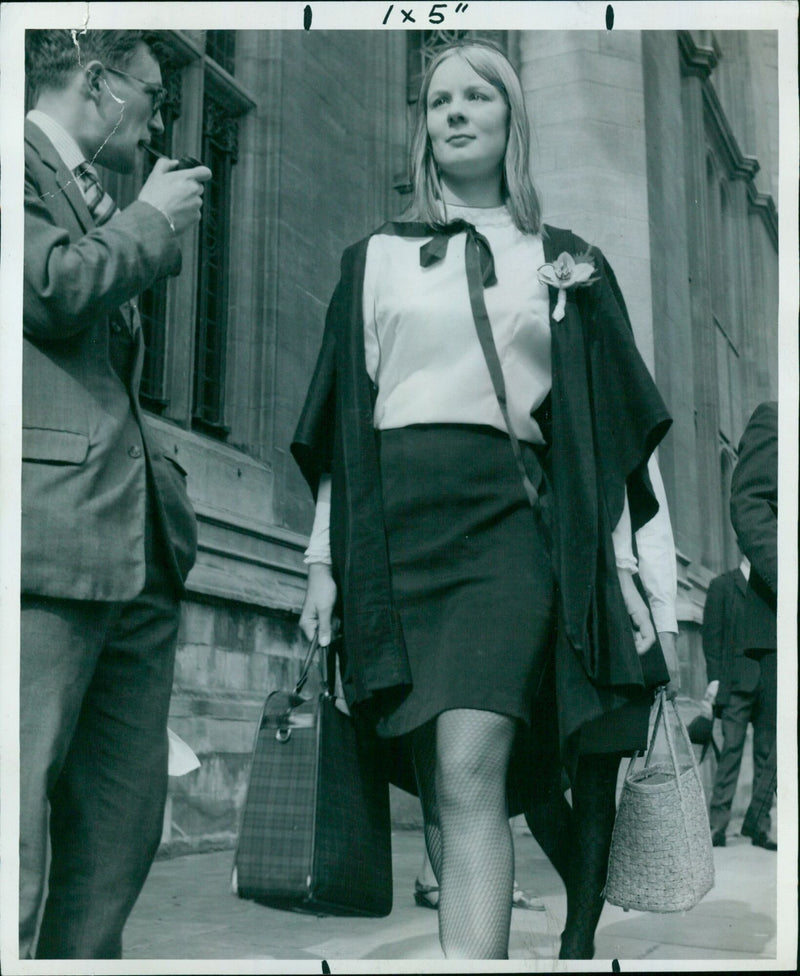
(138, 340)
(741, 582)
(64, 179)
(70, 191)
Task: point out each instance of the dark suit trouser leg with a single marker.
(108, 801)
(757, 818)
(60, 642)
(735, 716)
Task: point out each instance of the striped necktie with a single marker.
(100, 204)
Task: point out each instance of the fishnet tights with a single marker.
(461, 761)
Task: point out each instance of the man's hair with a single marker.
(51, 56)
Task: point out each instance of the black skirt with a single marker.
(471, 574)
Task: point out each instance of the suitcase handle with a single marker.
(288, 720)
(327, 668)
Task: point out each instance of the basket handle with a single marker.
(676, 767)
(671, 743)
(661, 695)
(687, 742)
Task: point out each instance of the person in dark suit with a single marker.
(108, 532)
(754, 514)
(737, 693)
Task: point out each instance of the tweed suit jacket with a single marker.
(87, 454)
(723, 618)
(754, 514)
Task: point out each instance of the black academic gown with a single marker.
(606, 418)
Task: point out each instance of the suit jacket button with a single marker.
(135, 451)
(115, 326)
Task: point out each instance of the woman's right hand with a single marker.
(317, 616)
(644, 635)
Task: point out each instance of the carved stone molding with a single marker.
(739, 166)
(764, 205)
(699, 61)
(696, 59)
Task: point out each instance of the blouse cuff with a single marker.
(319, 544)
(622, 538)
(664, 617)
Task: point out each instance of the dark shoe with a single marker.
(575, 947)
(747, 831)
(423, 893)
(762, 840)
(718, 838)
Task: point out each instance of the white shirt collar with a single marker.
(481, 216)
(744, 567)
(64, 144)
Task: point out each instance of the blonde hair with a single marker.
(517, 189)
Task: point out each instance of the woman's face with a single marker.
(467, 122)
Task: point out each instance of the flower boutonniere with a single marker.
(565, 273)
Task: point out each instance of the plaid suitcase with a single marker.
(316, 831)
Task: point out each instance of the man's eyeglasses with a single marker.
(158, 94)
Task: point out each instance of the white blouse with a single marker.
(422, 348)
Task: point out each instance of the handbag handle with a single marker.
(327, 667)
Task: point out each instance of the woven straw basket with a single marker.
(661, 858)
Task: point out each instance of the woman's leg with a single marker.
(477, 855)
(426, 884)
(540, 781)
(424, 745)
(593, 812)
(549, 819)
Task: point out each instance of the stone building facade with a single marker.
(660, 147)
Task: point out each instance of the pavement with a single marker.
(188, 912)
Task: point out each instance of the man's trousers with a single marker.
(96, 680)
(758, 707)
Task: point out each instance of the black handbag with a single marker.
(316, 828)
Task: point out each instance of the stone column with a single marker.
(670, 270)
(585, 96)
(696, 66)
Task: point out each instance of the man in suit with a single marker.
(737, 693)
(754, 514)
(108, 533)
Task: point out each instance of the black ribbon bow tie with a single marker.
(436, 248)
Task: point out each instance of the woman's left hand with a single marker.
(644, 635)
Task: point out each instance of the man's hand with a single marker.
(709, 699)
(644, 635)
(316, 617)
(177, 193)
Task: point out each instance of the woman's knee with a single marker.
(472, 756)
